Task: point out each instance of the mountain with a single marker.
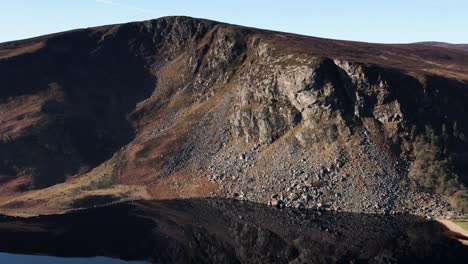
(445, 45)
(179, 107)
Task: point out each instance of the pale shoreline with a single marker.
(455, 229)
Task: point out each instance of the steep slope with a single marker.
(183, 107)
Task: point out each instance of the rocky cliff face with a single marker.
(181, 107)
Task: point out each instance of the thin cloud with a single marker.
(109, 2)
(125, 6)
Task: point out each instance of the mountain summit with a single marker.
(179, 107)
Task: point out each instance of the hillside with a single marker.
(445, 45)
(179, 107)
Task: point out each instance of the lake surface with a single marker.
(28, 259)
(223, 231)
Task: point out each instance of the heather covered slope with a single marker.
(445, 45)
(183, 107)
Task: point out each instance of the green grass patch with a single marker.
(462, 223)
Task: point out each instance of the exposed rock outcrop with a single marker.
(182, 107)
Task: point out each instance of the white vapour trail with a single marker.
(125, 6)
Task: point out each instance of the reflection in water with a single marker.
(28, 259)
(224, 231)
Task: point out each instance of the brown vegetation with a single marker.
(140, 110)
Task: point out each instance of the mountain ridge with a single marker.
(418, 47)
(463, 47)
(180, 107)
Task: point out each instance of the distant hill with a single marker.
(445, 45)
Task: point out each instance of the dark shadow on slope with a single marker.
(88, 89)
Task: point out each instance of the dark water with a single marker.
(224, 231)
(27, 259)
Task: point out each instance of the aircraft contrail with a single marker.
(125, 6)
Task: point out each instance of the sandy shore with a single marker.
(457, 231)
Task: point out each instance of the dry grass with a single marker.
(7, 53)
(408, 57)
(19, 114)
(59, 198)
(139, 170)
(183, 184)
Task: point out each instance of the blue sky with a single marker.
(391, 21)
